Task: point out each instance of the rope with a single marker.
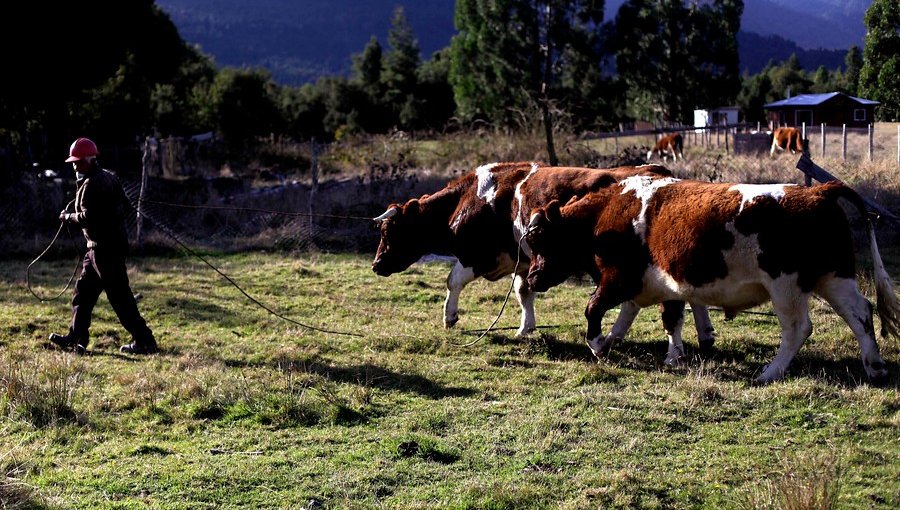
(505, 300)
(191, 252)
(28, 269)
(238, 287)
(251, 209)
(44, 299)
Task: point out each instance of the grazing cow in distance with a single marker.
(672, 144)
(785, 138)
(730, 245)
(479, 218)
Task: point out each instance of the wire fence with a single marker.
(183, 190)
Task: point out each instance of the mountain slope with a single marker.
(302, 40)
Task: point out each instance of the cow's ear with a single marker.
(552, 211)
(413, 207)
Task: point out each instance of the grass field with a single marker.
(244, 410)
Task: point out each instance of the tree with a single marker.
(692, 50)
(102, 79)
(434, 93)
(853, 62)
(755, 92)
(373, 114)
(515, 57)
(243, 107)
(881, 58)
(367, 68)
(400, 71)
(823, 81)
(789, 78)
(487, 62)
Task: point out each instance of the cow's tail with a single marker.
(886, 305)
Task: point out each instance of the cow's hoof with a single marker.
(706, 346)
(765, 378)
(878, 375)
(675, 360)
(449, 322)
(523, 332)
(600, 347)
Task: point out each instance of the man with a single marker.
(100, 208)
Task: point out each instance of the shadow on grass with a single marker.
(201, 310)
(728, 364)
(369, 375)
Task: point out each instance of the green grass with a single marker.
(242, 409)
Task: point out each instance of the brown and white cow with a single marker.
(672, 144)
(479, 218)
(785, 138)
(729, 245)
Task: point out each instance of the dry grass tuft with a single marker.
(807, 482)
(39, 390)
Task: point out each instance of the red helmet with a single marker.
(82, 148)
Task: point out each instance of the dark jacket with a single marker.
(100, 209)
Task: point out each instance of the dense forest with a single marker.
(563, 64)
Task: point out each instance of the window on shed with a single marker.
(859, 114)
(803, 116)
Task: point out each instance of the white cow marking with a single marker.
(518, 224)
(487, 188)
(644, 187)
(750, 192)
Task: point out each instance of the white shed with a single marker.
(716, 116)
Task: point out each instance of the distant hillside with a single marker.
(757, 50)
(812, 24)
(299, 41)
(302, 40)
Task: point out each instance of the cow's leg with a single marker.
(526, 301)
(673, 321)
(603, 299)
(844, 296)
(458, 278)
(792, 307)
(706, 334)
(628, 311)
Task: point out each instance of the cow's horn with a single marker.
(386, 214)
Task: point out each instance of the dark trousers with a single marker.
(104, 270)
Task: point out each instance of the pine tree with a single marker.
(692, 50)
(881, 58)
(400, 71)
(853, 62)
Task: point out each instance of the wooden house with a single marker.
(832, 109)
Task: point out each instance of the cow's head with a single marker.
(402, 228)
(551, 262)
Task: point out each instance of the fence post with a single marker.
(145, 169)
(616, 138)
(844, 143)
(726, 137)
(871, 141)
(314, 171)
(898, 144)
(822, 126)
(803, 133)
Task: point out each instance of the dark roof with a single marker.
(814, 100)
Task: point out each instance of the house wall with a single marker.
(834, 112)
